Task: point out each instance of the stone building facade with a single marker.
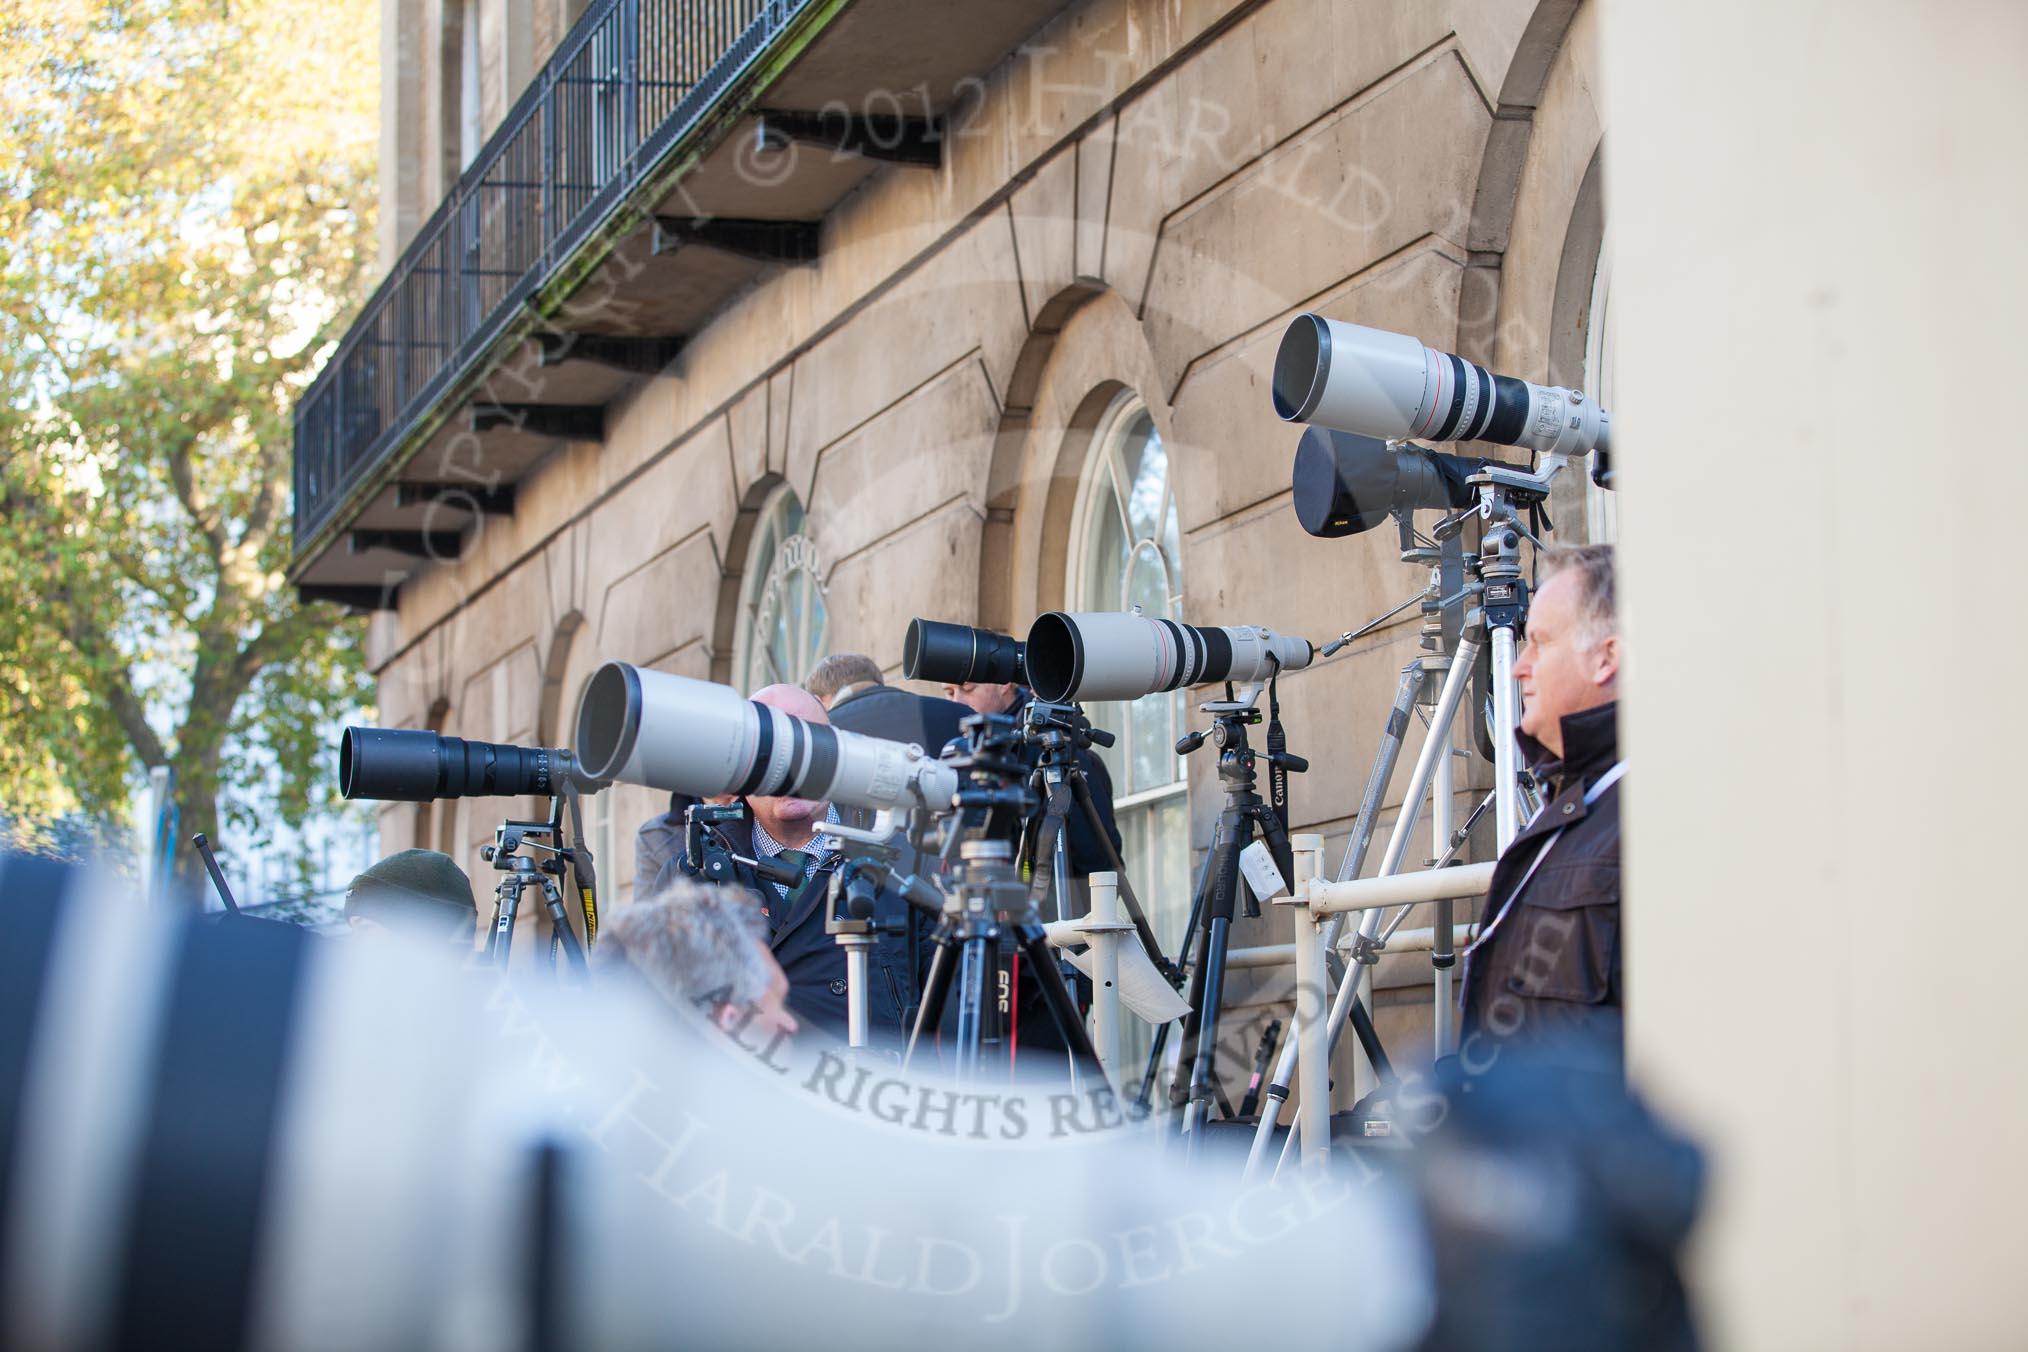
(1033, 376)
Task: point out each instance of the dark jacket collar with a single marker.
(860, 690)
(1591, 743)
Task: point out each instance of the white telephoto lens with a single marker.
(688, 736)
(1113, 656)
(1389, 385)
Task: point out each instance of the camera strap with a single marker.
(1042, 848)
(583, 871)
(1277, 743)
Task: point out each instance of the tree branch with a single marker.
(183, 478)
(115, 684)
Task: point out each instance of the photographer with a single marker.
(415, 894)
(789, 832)
(1545, 973)
(703, 948)
(852, 688)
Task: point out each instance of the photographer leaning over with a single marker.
(790, 831)
(1544, 975)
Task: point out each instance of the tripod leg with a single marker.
(1193, 1022)
(1145, 1094)
(559, 926)
(1202, 1067)
(936, 987)
(1228, 840)
(1385, 760)
(1034, 942)
(1506, 718)
(973, 964)
(503, 919)
(1081, 790)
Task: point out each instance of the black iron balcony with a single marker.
(629, 79)
(614, 211)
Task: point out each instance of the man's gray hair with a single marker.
(839, 670)
(694, 945)
(1597, 614)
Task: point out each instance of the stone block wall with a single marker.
(1139, 199)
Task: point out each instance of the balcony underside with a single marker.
(553, 353)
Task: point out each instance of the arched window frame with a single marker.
(783, 578)
(1151, 789)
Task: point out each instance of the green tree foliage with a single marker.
(188, 217)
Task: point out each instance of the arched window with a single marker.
(1127, 552)
(781, 604)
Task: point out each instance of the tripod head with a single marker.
(511, 837)
(1231, 717)
(1059, 730)
(876, 861)
(994, 797)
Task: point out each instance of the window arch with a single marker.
(1126, 551)
(781, 604)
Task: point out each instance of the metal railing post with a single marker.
(1102, 930)
(1313, 1026)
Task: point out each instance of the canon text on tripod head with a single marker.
(958, 654)
(411, 766)
(1109, 656)
(688, 736)
(1391, 386)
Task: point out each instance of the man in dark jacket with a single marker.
(851, 687)
(789, 832)
(1544, 975)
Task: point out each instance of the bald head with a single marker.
(793, 699)
(792, 821)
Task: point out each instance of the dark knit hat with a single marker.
(416, 890)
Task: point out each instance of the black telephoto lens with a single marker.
(1346, 483)
(400, 766)
(958, 654)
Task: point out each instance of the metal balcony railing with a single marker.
(629, 79)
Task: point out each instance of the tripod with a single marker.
(1437, 681)
(971, 928)
(1243, 815)
(1061, 731)
(975, 919)
(522, 872)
